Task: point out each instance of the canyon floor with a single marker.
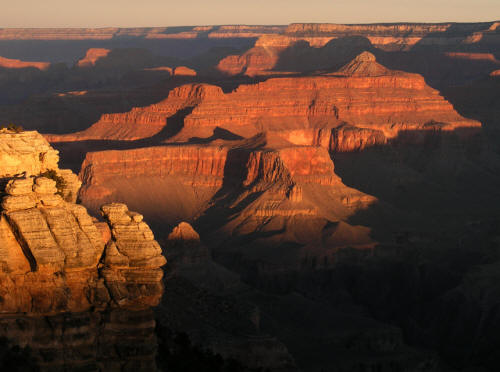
(326, 197)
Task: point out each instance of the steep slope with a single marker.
(167, 183)
(142, 122)
(53, 256)
(308, 47)
(262, 186)
(303, 110)
(285, 207)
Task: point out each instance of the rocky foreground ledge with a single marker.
(54, 256)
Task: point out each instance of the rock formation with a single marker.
(184, 71)
(302, 155)
(142, 122)
(54, 256)
(234, 190)
(185, 247)
(17, 64)
(285, 197)
(253, 166)
(399, 35)
(191, 174)
(25, 152)
(107, 33)
(363, 94)
(364, 65)
(92, 56)
(90, 340)
(303, 45)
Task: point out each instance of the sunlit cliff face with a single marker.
(54, 256)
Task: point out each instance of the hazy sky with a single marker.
(130, 13)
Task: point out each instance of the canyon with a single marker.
(303, 110)
(317, 196)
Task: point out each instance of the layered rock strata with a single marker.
(191, 174)
(271, 50)
(363, 94)
(380, 102)
(287, 195)
(106, 33)
(54, 257)
(86, 341)
(142, 122)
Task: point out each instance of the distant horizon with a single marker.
(158, 13)
(252, 24)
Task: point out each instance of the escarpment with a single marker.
(54, 256)
(166, 183)
(287, 196)
(363, 94)
(259, 158)
(247, 182)
(18, 64)
(308, 47)
(142, 122)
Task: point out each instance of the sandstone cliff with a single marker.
(363, 94)
(179, 180)
(399, 35)
(248, 182)
(285, 197)
(308, 47)
(54, 257)
(142, 122)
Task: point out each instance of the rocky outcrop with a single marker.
(17, 64)
(142, 122)
(287, 197)
(191, 174)
(363, 94)
(185, 248)
(51, 250)
(194, 165)
(29, 153)
(257, 60)
(184, 71)
(348, 138)
(132, 259)
(365, 65)
(302, 46)
(252, 180)
(400, 36)
(92, 56)
(25, 152)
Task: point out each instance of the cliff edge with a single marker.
(54, 256)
